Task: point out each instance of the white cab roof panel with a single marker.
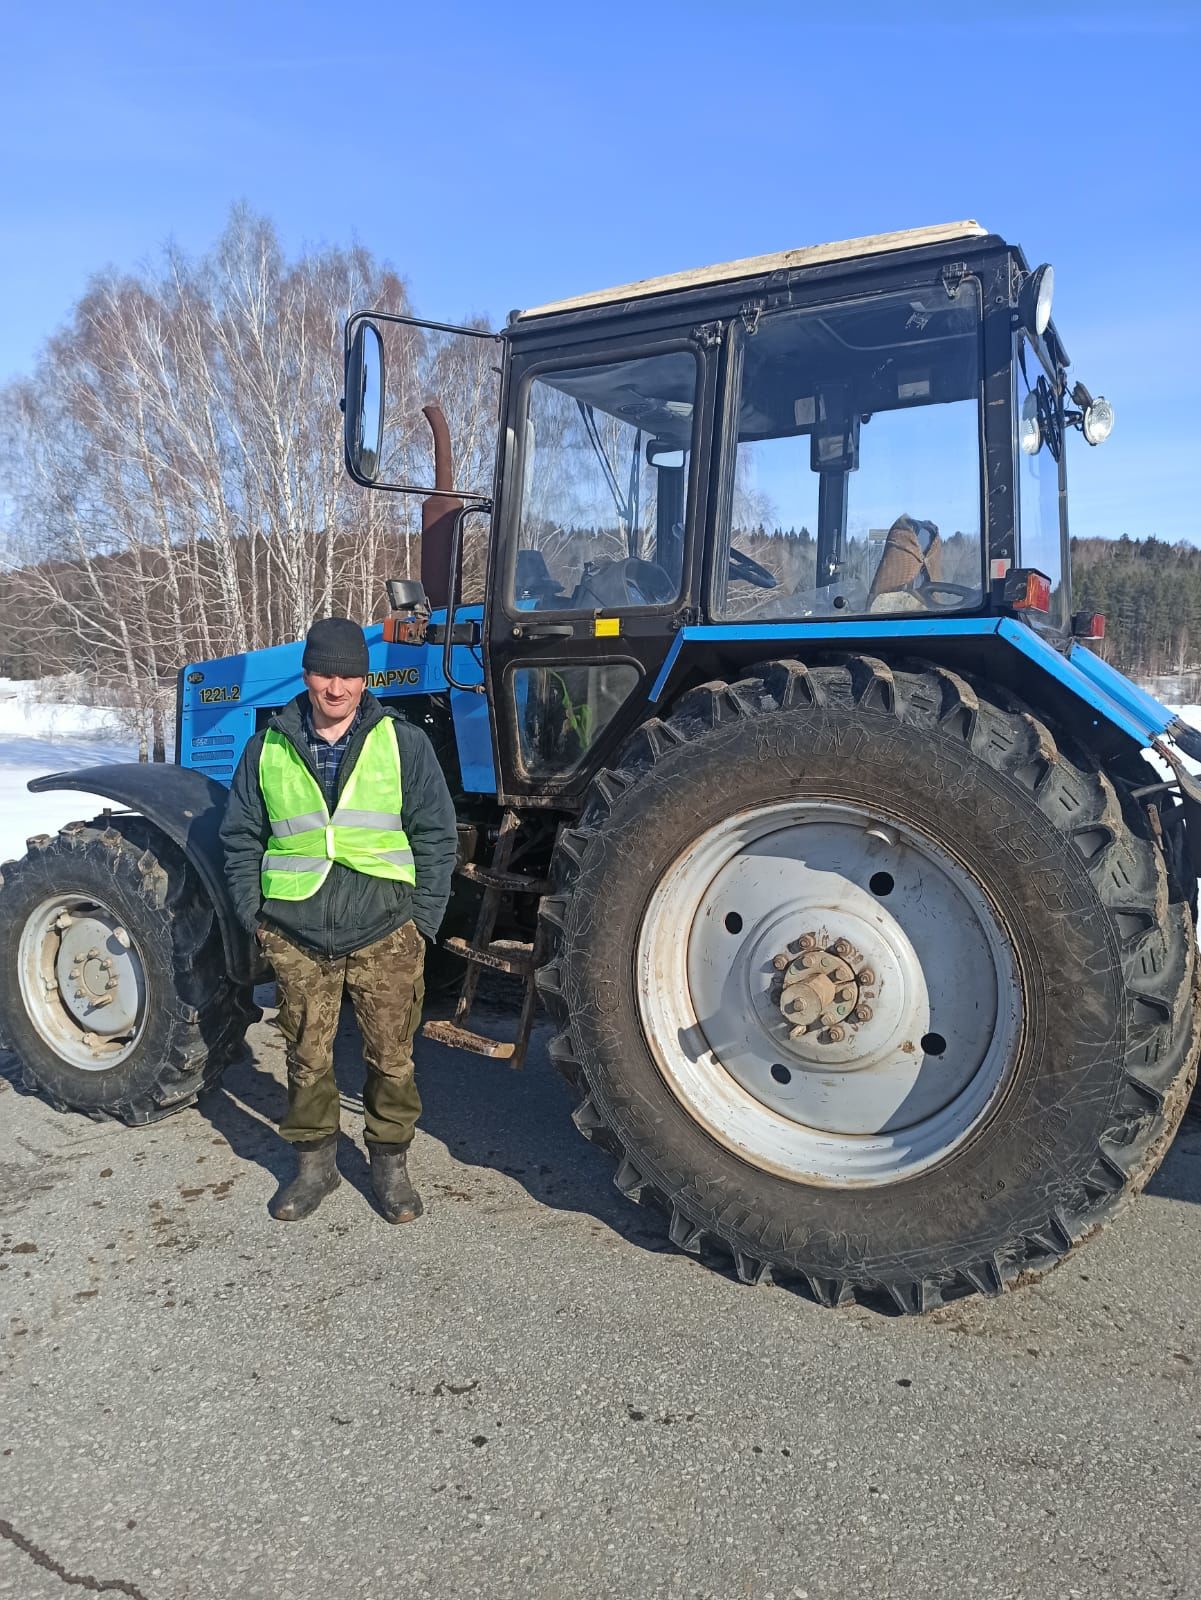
(755, 266)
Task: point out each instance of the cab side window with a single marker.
(605, 493)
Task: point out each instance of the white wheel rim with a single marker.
(82, 981)
(906, 1064)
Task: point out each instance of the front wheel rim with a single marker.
(830, 994)
(82, 981)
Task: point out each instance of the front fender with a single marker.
(188, 807)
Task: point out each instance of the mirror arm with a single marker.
(452, 593)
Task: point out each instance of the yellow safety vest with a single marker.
(364, 833)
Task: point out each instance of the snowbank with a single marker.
(1191, 715)
(37, 737)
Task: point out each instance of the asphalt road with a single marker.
(528, 1393)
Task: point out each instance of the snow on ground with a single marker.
(1191, 715)
(36, 738)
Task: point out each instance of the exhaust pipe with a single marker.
(438, 512)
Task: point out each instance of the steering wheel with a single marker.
(958, 591)
(628, 581)
(748, 570)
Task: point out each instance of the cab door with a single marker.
(597, 561)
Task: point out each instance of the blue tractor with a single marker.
(786, 782)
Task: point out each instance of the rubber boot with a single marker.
(317, 1176)
(398, 1200)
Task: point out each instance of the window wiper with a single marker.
(627, 505)
(594, 439)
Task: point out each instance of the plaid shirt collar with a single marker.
(328, 755)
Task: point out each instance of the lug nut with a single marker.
(807, 941)
(862, 1014)
(835, 1034)
(841, 947)
(782, 963)
(867, 976)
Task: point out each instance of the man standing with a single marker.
(339, 838)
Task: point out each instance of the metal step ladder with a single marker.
(482, 950)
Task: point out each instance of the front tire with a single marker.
(113, 987)
(1030, 1029)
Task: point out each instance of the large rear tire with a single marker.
(868, 985)
(113, 987)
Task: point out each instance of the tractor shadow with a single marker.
(1180, 1176)
(519, 1124)
(485, 1114)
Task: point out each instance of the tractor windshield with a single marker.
(854, 484)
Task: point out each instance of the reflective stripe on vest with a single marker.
(364, 833)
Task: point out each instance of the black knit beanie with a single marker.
(335, 647)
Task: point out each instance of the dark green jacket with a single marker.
(350, 909)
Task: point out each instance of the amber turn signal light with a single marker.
(1026, 589)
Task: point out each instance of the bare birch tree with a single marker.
(171, 478)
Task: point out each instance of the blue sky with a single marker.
(503, 155)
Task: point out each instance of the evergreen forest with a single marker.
(1150, 594)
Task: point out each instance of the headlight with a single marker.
(1098, 420)
(1034, 301)
(1030, 435)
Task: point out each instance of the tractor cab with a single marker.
(834, 444)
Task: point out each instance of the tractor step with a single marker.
(513, 956)
(502, 955)
(456, 1038)
(505, 882)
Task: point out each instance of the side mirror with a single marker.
(363, 427)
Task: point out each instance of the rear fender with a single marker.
(1073, 688)
(188, 807)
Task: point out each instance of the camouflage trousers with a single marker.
(386, 988)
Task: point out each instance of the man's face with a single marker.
(334, 698)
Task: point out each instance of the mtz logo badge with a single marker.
(391, 680)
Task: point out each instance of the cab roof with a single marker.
(756, 266)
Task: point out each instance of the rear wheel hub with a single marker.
(844, 1005)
